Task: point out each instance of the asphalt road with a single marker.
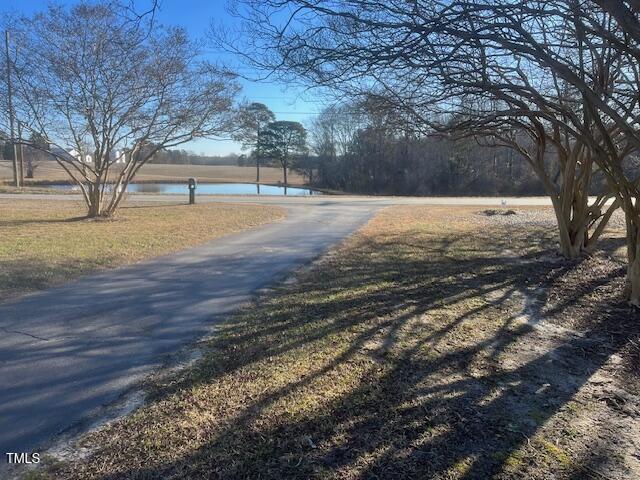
(67, 351)
(317, 200)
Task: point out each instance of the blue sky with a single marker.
(196, 15)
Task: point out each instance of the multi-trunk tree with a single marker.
(105, 88)
(435, 57)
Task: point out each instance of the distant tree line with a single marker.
(364, 147)
(184, 157)
(34, 151)
(369, 146)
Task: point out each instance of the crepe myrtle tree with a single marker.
(113, 87)
(284, 142)
(407, 61)
(593, 47)
(417, 54)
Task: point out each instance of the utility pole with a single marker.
(20, 150)
(258, 158)
(16, 177)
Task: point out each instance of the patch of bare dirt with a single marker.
(583, 329)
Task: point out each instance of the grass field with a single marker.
(50, 171)
(44, 244)
(438, 342)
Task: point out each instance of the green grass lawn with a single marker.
(47, 243)
(432, 344)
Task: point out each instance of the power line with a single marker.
(320, 113)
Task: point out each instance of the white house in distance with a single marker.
(117, 156)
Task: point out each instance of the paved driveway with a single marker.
(68, 350)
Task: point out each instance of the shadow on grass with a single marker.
(42, 221)
(155, 205)
(85, 218)
(417, 359)
(24, 276)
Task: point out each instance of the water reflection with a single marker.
(211, 189)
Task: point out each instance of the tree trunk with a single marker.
(633, 281)
(95, 204)
(30, 171)
(257, 169)
(633, 254)
(574, 215)
(284, 171)
(21, 163)
(572, 240)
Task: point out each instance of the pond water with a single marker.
(210, 188)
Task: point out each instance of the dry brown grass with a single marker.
(407, 353)
(215, 173)
(50, 171)
(46, 243)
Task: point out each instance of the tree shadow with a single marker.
(42, 221)
(452, 375)
(25, 276)
(85, 218)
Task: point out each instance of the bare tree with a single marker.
(597, 55)
(419, 54)
(332, 133)
(115, 87)
(437, 71)
(564, 165)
